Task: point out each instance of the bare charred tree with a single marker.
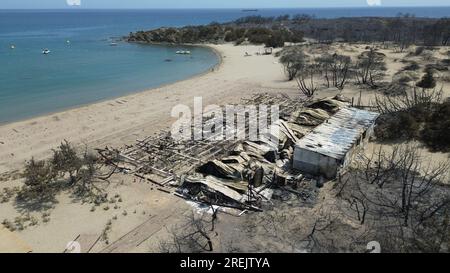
(400, 196)
(92, 176)
(410, 100)
(190, 237)
(84, 170)
(293, 60)
(403, 31)
(336, 69)
(370, 68)
(404, 167)
(330, 235)
(444, 26)
(359, 205)
(417, 179)
(324, 64)
(306, 80)
(382, 166)
(321, 227)
(430, 236)
(437, 33)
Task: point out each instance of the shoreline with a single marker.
(51, 113)
(116, 124)
(123, 119)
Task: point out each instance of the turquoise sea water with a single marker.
(85, 70)
(88, 69)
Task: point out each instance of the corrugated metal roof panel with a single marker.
(335, 137)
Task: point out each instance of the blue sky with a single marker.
(46, 4)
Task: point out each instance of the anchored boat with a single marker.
(183, 52)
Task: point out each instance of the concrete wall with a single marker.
(320, 165)
(315, 163)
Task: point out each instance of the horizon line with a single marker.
(243, 8)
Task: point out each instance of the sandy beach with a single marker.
(125, 119)
(121, 122)
(94, 116)
(116, 123)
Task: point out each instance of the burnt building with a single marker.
(330, 147)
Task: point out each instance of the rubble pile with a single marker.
(243, 175)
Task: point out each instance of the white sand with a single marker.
(118, 122)
(125, 119)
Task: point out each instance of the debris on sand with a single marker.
(237, 174)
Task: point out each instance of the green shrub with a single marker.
(39, 181)
(67, 168)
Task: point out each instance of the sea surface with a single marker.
(83, 67)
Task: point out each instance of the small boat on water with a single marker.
(113, 44)
(183, 52)
(13, 47)
(46, 51)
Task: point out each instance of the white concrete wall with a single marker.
(321, 165)
(315, 164)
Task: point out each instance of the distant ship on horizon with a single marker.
(249, 10)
